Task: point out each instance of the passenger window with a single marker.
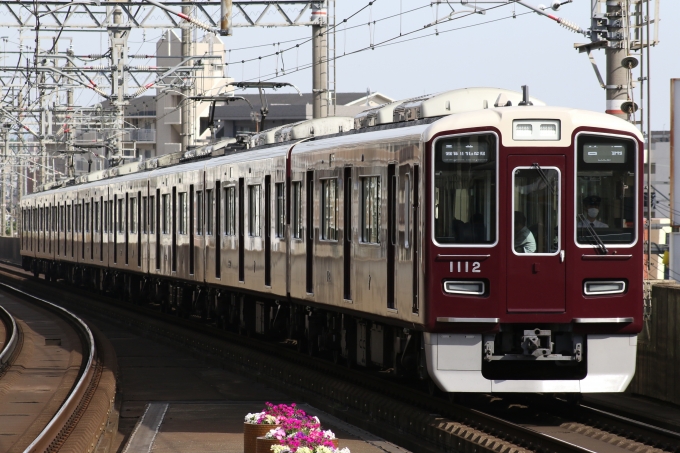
(296, 208)
(183, 213)
(111, 216)
(145, 215)
(254, 210)
(329, 209)
(280, 210)
(95, 216)
(87, 217)
(209, 212)
(370, 209)
(407, 210)
(69, 218)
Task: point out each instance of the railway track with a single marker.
(388, 407)
(52, 395)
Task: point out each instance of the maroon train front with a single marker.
(476, 238)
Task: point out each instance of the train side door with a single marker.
(535, 225)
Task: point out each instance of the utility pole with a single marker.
(320, 60)
(616, 53)
(119, 35)
(187, 117)
(5, 155)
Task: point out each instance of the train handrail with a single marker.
(68, 408)
(11, 344)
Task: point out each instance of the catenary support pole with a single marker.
(320, 61)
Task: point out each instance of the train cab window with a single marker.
(209, 212)
(296, 209)
(536, 210)
(465, 190)
(230, 211)
(280, 209)
(254, 227)
(199, 212)
(370, 209)
(133, 217)
(329, 209)
(606, 206)
(183, 214)
(166, 213)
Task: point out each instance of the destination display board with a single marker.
(465, 152)
(604, 153)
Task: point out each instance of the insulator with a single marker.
(570, 25)
(98, 68)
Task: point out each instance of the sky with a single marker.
(493, 49)
(507, 53)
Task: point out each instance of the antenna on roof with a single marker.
(525, 96)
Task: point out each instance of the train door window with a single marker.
(96, 216)
(407, 210)
(230, 211)
(145, 215)
(465, 190)
(133, 217)
(61, 219)
(199, 212)
(78, 227)
(536, 210)
(152, 217)
(87, 217)
(111, 216)
(183, 213)
(296, 220)
(370, 209)
(280, 210)
(209, 212)
(606, 194)
(121, 215)
(329, 209)
(69, 218)
(254, 227)
(166, 213)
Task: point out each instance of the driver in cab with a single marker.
(591, 208)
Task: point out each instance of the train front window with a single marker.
(465, 190)
(605, 190)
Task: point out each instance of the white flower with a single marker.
(304, 450)
(269, 420)
(328, 434)
(342, 450)
(323, 449)
(252, 418)
(317, 419)
(280, 449)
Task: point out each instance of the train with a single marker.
(475, 239)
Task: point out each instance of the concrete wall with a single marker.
(657, 373)
(9, 250)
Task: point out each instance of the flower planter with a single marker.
(265, 445)
(250, 434)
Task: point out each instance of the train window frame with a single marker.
(377, 207)
(296, 210)
(254, 208)
(559, 211)
(329, 232)
(431, 214)
(636, 196)
(230, 210)
(280, 212)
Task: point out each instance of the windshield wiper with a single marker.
(593, 234)
(544, 177)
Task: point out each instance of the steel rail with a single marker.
(12, 334)
(67, 410)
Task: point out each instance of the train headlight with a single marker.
(536, 130)
(600, 288)
(465, 287)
